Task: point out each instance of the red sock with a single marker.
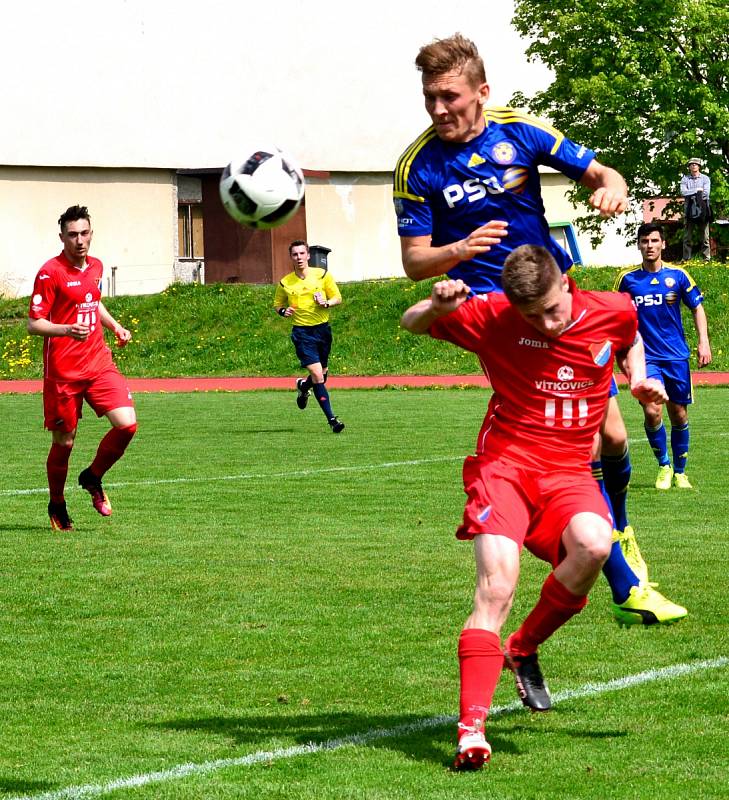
(481, 661)
(57, 470)
(555, 606)
(111, 449)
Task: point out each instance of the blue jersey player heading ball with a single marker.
(467, 190)
(467, 193)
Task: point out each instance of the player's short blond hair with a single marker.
(456, 53)
(530, 272)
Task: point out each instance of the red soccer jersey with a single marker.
(65, 294)
(549, 394)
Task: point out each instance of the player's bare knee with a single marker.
(596, 544)
(589, 538)
(64, 438)
(494, 595)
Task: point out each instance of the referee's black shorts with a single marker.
(312, 343)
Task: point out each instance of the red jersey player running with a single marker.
(66, 309)
(548, 351)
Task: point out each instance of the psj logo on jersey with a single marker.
(473, 189)
(649, 300)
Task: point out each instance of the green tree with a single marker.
(646, 84)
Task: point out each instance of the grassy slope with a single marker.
(230, 330)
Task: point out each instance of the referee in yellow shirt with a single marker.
(306, 295)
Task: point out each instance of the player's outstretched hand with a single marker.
(482, 239)
(649, 390)
(448, 295)
(123, 337)
(609, 201)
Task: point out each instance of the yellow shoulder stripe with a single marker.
(503, 116)
(402, 170)
(622, 274)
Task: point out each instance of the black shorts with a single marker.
(312, 343)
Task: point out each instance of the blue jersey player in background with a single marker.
(467, 192)
(658, 290)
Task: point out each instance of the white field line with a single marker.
(261, 476)
(357, 739)
(249, 476)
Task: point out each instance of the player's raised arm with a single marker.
(610, 192)
(421, 260)
(446, 297)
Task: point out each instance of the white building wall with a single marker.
(139, 89)
(133, 216)
(145, 83)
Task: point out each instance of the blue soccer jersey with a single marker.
(658, 296)
(446, 190)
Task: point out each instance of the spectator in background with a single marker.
(695, 190)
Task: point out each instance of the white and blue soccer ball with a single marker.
(263, 188)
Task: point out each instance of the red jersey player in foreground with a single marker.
(548, 351)
(66, 309)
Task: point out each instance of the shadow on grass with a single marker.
(15, 786)
(422, 739)
(15, 528)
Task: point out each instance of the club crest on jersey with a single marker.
(484, 515)
(601, 353)
(503, 152)
(670, 282)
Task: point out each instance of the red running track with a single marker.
(207, 384)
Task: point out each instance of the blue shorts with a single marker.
(312, 343)
(675, 376)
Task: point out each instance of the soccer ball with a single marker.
(263, 189)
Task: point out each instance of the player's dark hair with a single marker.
(451, 54)
(650, 227)
(73, 213)
(297, 243)
(529, 273)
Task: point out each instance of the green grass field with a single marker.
(264, 584)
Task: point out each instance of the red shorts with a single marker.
(62, 401)
(530, 506)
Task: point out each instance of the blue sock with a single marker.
(616, 472)
(619, 574)
(659, 443)
(596, 467)
(616, 570)
(322, 397)
(679, 447)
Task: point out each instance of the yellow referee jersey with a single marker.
(299, 293)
